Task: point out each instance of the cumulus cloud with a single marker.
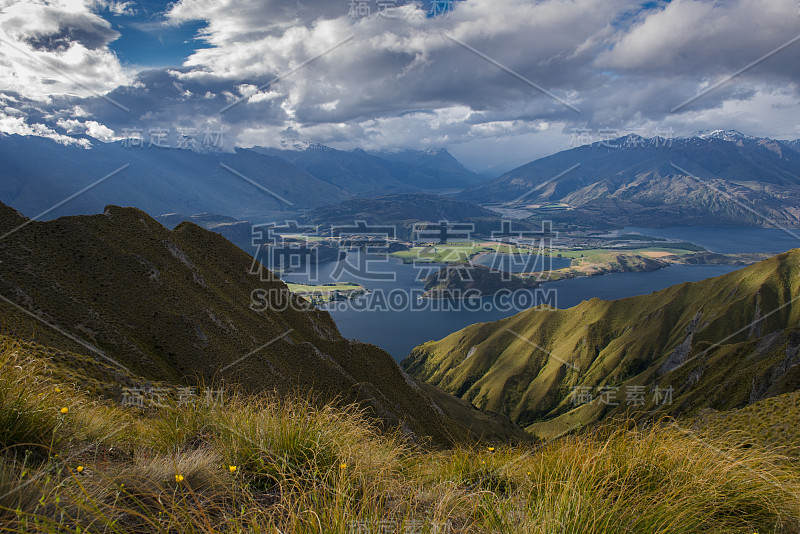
(56, 47)
(90, 128)
(408, 62)
(18, 125)
(699, 37)
(619, 64)
(117, 7)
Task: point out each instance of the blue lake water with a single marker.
(522, 263)
(727, 240)
(399, 327)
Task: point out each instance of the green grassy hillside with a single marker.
(720, 343)
(120, 290)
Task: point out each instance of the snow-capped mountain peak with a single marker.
(732, 136)
(294, 144)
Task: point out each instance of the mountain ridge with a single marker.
(721, 343)
(254, 184)
(724, 178)
(40, 174)
(378, 172)
(179, 307)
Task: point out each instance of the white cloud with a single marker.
(368, 89)
(17, 125)
(57, 47)
(621, 66)
(118, 7)
(691, 37)
(90, 128)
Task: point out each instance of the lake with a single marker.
(727, 240)
(398, 329)
(521, 263)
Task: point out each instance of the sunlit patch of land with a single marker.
(327, 292)
(656, 253)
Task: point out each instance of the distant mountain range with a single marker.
(377, 173)
(134, 299)
(430, 170)
(249, 184)
(713, 178)
(720, 343)
(39, 174)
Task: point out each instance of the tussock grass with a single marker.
(771, 423)
(659, 480)
(29, 405)
(274, 465)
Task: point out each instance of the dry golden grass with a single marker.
(269, 465)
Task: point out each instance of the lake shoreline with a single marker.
(623, 262)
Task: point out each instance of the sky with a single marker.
(496, 82)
